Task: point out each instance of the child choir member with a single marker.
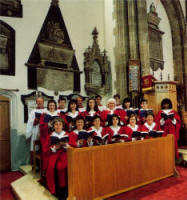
(98, 99)
(32, 130)
(71, 114)
(170, 122)
(56, 171)
(91, 111)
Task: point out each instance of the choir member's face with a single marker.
(132, 121)
(97, 122)
(166, 106)
(58, 126)
(149, 119)
(91, 104)
(51, 107)
(80, 124)
(144, 105)
(40, 102)
(62, 104)
(98, 101)
(73, 106)
(127, 104)
(111, 105)
(117, 100)
(79, 101)
(115, 121)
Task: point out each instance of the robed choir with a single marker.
(58, 128)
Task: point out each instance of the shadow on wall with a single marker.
(20, 150)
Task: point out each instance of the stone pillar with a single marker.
(121, 47)
(143, 37)
(132, 25)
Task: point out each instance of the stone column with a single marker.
(132, 26)
(143, 37)
(121, 46)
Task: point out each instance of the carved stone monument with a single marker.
(52, 64)
(97, 69)
(155, 40)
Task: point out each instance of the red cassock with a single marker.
(97, 132)
(154, 127)
(57, 161)
(74, 140)
(44, 136)
(120, 112)
(70, 119)
(89, 117)
(119, 130)
(170, 128)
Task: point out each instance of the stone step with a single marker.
(184, 153)
(28, 188)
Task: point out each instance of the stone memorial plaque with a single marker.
(55, 79)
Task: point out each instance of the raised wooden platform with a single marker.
(28, 187)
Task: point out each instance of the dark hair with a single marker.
(79, 118)
(95, 107)
(125, 100)
(132, 115)
(110, 121)
(98, 96)
(61, 99)
(116, 95)
(96, 117)
(143, 100)
(72, 101)
(166, 101)
(149, 113)
(51, 101)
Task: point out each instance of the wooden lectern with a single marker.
(159, 91)
(102, 171)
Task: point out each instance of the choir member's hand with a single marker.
(57, 146)
(90, 141)
(162, 121)
(63, 144)
(36, 121)
(174, 121)
(80, 142)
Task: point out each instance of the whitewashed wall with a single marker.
(80, 16)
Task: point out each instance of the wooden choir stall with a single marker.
(102, 171)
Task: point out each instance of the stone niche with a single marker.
(52, 63)
(97, 69)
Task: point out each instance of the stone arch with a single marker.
(179, 42)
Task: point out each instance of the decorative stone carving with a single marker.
(97, 69)
(155, 40)
(52, 62)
